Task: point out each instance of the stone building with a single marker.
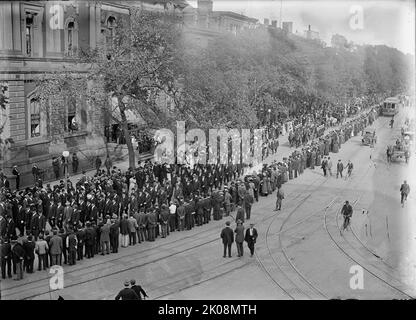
(43, 37)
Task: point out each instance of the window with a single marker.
(71, 124)
(71, 38)
(29, 33)
(111, 31)
(34, 108)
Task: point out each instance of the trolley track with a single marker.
(133, 256)
(396, 287)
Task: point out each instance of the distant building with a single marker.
(274, 23)
(311, 35)
(202, 23)
(287, 26)
(338, 41)
(266, 21)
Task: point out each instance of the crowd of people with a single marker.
(65, 223)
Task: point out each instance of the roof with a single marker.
(233, 15)
(392, 99)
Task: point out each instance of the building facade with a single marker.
(43, 37)
(38, 38)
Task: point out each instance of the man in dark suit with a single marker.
(127, 293)
(251, 237)
(138, 289)
(29, 247)
(90, 236)
(227, 236)
(6, 258)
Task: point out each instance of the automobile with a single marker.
(409, 137)
(369, 138)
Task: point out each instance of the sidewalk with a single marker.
(283, 151)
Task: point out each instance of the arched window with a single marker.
(111, 31)
(34, 117)
(71, 38)
(29, 34)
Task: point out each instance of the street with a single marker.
(300, 252)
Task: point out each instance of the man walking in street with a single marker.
(138, 289)
(248, 202)
(340, 168)
(349, 168)
(279, 197)
(324, 166)
(404, 192)
(239, 238)
(127, 293)
(251, 237)
(227, 237)
(329, 166)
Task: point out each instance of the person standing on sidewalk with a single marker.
(16, 173)
(98, 163)
(41, 249)
(75, 163)
(108, 164)
(124, 230)
(18, 254)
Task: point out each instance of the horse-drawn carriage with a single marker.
(369, 138)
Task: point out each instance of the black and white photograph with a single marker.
(220, 151)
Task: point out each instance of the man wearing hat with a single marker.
(114, 233)
(251, 237)
(239, 238)
(18, 254)
(6, 258)
(127, 293)
(138, 289)
(16, 173)
(227, 237)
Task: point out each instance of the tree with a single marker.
(134, 67)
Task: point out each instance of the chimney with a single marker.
(205, 6)
(309, 27)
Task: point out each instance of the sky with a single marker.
(389, 22)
